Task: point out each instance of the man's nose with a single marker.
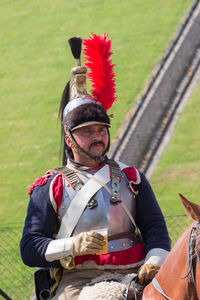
(96, 135)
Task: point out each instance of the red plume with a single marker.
(97, 58)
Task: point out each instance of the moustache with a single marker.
(97, 143)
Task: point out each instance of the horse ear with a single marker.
(191, 208)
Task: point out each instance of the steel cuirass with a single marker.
(100, 213)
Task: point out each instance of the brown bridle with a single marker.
(193, 256)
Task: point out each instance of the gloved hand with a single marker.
(67, 262)
(147, 272)
(87, 243)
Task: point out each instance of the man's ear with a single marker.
(68, 142)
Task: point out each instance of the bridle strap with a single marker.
(137, 288)
(191, 258)
(190, 254)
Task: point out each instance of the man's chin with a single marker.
(98, 153)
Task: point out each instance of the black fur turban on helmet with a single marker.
(86, 114)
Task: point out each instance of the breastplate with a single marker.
(105, 214)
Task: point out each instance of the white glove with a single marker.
(87, 243)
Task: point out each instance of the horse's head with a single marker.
(193, 210)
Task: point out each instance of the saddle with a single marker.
(114, 286)
(118, 286)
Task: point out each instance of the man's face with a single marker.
(93, 139)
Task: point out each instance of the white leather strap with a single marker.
(93, 177)
(159, 289)
(80, 200)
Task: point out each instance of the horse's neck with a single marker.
(175, 267)
(172, 275)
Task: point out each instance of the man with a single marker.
(94, 216)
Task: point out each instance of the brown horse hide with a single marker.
(173, 276)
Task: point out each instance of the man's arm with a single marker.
(150, 219)
(151, 223)
(39, 228)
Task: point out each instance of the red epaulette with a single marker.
(39, 181)
(132, 174)
(133, 177)
(57, 190)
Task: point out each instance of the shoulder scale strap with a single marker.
(71, 177)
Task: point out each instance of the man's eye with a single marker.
(87, 132)
(103, 131)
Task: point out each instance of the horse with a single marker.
(179, 276)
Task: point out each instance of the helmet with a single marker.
(78, 108)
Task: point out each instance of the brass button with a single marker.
(112, 247)
(124, 245)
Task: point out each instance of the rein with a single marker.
(192, 257)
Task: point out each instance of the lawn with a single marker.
(35, 65)
(178, 171)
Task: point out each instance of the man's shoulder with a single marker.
(43, 180)
(132, 173)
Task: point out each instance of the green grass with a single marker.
(178, 171)
(36, 62)
(35, 65)
(16, 279)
